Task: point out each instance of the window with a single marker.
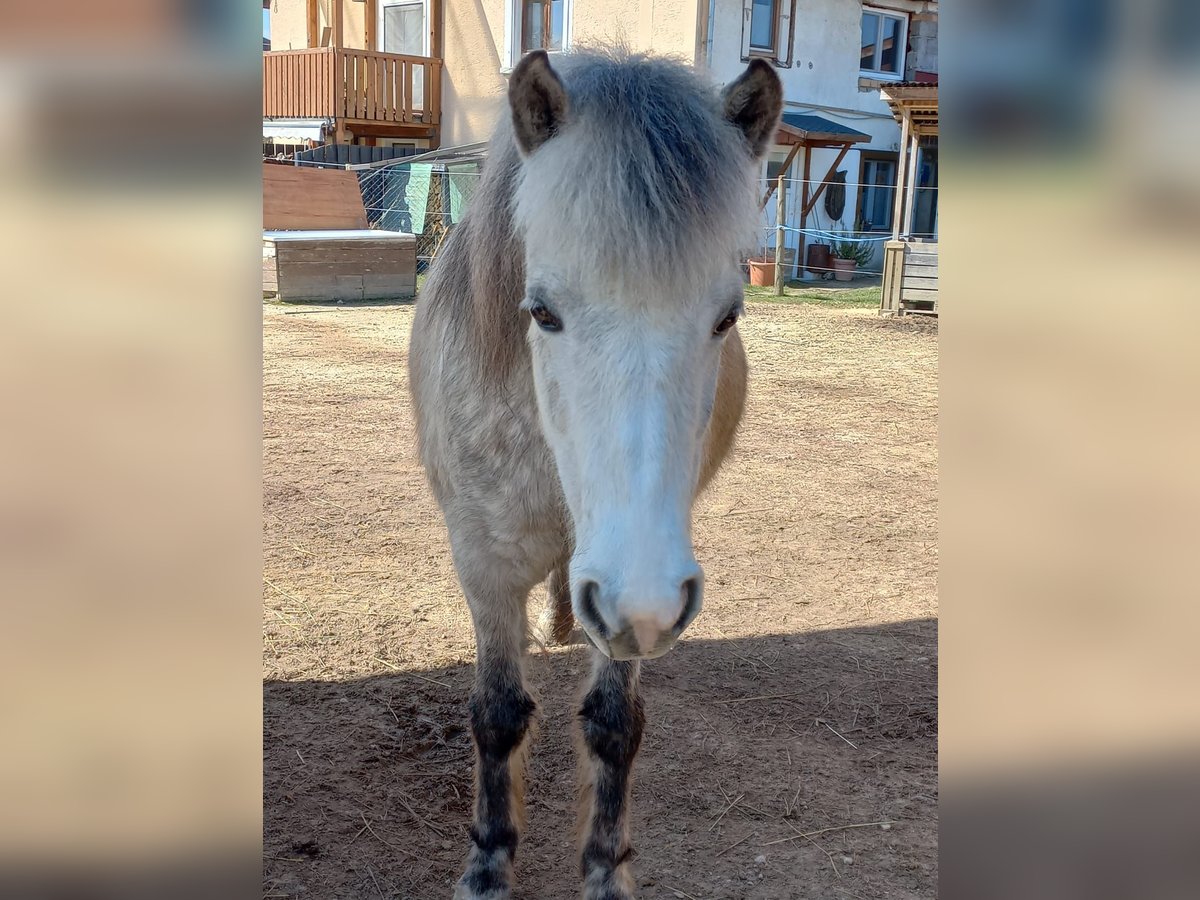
(884, 37)
(764, 24)
(402, 30)
(402, 27)
(877, 191)
(767, 30)
(542, 24)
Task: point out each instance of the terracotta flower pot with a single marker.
(762, 271)
(843, 269)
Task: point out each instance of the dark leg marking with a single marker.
(501, 712)
(612, 722)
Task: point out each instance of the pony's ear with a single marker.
(538, 101)
(753, 103)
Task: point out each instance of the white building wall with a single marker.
(823, 79)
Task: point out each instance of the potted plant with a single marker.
(849, 255)
(762, 269)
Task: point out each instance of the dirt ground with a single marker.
(791, 743)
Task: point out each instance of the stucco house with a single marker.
(430, 73)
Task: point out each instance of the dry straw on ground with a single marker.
(797, 723)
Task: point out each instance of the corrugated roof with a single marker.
(808, 127)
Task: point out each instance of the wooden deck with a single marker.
(354, 87)
(910, 278)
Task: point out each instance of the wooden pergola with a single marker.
(910, 269)
(807, 132)
(915, 106)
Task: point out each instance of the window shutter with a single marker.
(783, 40)
(747, 15)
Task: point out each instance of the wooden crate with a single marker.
(339, 265)
(910, 278)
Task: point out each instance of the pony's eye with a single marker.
(545, 319)
(726, 323)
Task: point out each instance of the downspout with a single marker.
(708, 33)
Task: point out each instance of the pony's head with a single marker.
(634, 196)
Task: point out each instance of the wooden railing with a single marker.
(352, 84)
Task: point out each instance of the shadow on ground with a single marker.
(750, 745)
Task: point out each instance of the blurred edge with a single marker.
(129, 515)
(130, 361)
(1070, 719)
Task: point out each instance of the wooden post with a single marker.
(780, 209)
(914, 158)
(804, 204)
(338, 16)
(893, 278)
(898, 204)
(314, 26)
(787, 164)
(435, 29)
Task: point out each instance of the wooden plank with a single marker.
(298, 249)
(911, 281)
(361, 82)
(929, 271)
(382, 287)
(341, 267)
(372, 71)
(403, 91)
(304, 197)
(921, 259)
(321, 287)
(314, 38)
(893, 276)
(912, 295)
(338, 256)
(433, 115)
(380, 95)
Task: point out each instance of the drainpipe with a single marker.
(708, 33)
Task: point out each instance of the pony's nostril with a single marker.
(589, 592)
(690, 590)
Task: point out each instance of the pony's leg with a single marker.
(612, 721)
(501, 714)
(557, 620)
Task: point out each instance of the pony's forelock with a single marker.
(646, 183)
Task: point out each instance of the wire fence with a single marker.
(428, 199)
(425, 199)
(844, 220)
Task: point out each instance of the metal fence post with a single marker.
(779, 211)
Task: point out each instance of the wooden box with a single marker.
(339, 265)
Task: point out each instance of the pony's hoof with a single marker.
(464, 891)
(487, 878)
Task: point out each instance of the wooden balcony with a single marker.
(367, 91)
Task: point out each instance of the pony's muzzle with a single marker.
(635, 628)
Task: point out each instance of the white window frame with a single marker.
(511, 51)
(379, 7)
(781, 55)
(882, 14)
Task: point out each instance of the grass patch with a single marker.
(837, 298)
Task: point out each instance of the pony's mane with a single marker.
(645, 185)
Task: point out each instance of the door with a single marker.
(404, 29)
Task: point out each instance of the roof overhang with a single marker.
(816, 131)
(917, 102)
